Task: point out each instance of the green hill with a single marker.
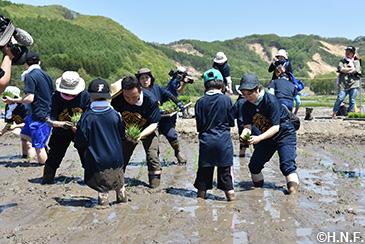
(97, 46)
(94, 46)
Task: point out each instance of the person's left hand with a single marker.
(180, 106)
(254, 140)
(7, 100)
(230, 91)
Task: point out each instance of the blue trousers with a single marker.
(166, 127)
(289, 105)
(285, 144)
(341, 96)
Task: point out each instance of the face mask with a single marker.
(66, 97)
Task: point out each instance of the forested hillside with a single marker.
(97, 46)
(94, 46)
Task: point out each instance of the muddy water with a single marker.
(330, 199)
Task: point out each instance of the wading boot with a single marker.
(292, 182)
(201, 194)
(178, 154)
(121, 194)
(292, 187)
(154, 180)
(48, 175)
(103, 198)
(230, 195)
(308, 114)
(258, 179)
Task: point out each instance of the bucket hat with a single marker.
(13, 89)
(70, 83)
(220, 58)
(145, 71)
(283, 53)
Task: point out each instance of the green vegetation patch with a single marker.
(356, 115)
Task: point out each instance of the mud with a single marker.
(330, 199)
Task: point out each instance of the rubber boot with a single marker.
(292, 182)
(258, 179)
(308, 114)
(48, 175)
(230, 195)
(202, 194)
(154, 180)
(121, 194)
(178, 154)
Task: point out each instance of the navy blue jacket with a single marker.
(100, 134)
(214, 117)
(284, 89)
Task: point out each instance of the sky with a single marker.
(166, 21)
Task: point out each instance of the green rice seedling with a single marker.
(356, 115)
(196, 160)
(319, 161)
(140, 172)
(185, 99)
(8, 126)
(133, 132)
(168, 107)
(9, 94)
(81, 171)
(357, 181)
(166, 159)
(75, 118)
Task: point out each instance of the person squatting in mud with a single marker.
(70, 98)
(138, 106)
(214, 117)
(166, 125)
(99, 134)
(277, 133)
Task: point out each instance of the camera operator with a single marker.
(13, 53)
(174, 86)
(5, 70)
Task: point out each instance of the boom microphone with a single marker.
(23, 37)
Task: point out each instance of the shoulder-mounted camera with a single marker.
(11, 36)
(180, 76)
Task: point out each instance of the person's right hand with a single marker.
(7, 51)
(274, 59)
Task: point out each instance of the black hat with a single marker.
(32, 58)
(351, 48)
(99, 88)
(249, 82)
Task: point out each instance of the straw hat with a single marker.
(116, 88)
(70, 83)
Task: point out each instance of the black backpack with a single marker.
(293, 118)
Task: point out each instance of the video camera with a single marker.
(180, 76)
(9, 35)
